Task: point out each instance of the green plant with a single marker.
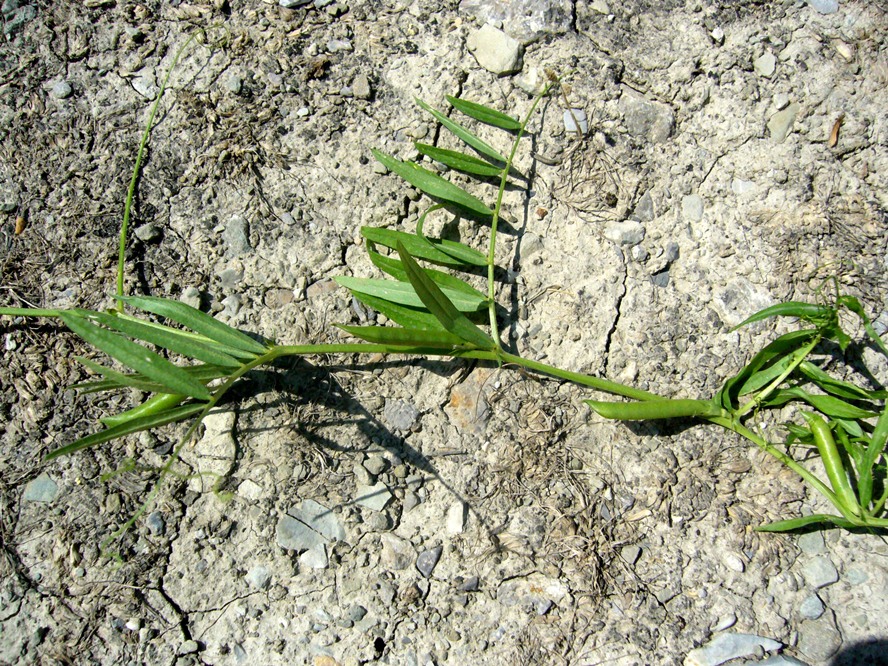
(436, 313)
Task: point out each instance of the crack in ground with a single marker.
(616, 321)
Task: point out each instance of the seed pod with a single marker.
(832, 462)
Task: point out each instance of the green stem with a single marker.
(494, 220)
(131, 192)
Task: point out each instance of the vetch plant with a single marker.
(436, 313)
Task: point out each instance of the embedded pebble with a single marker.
(428, 560)
(629, 232)
(293, 534)
(155, 523)
(811, 608)
(396, 553)
(646, 120)
(692, 207)
(765, 64)
(725, 647)
(234, 84)
(819, 639)
(361, 87)
(824, 6)
(41, 489)
(781, 122)
(812, 543)
(236, 236)
(574, 116)
(291, 4)
(630, 554)
(315, 557)
(319, 518)
(148, 233)
(456, 518)
(494, 50)
(189, 647)
(375, 497)
(259, 577)
(400, 415)
(819, 572)
(376, 465)
(855, 575)
(62, 90)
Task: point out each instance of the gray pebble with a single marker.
(646, 120)
(292, 534)
(780, 124)
(259, 577)
(661, 279)
(376, 465)
(812, 543)
(411, 501)
(692, 207)
(378, 522)
(236, 236)
(290, 4)
(856, 576)
(428, 559)
(148, 233)
(725, 647)
(470, 584)
(819, 639)
(824, 6)
(396, 553)
(400, 415)
(315, 558)
(356, 613)
(630, 554)
(62, 90)
(580, 117)
(375, 497)
(820, 572)
(494, 50)
(191, 296)
(189, 647)
(765, 64)
(320, 519)
(361, 87)
(629, 232)
(339, 45)
(811, 608)
(41, 489)
(362, 476)
(234, 84)
(156, 523)
(8, 206)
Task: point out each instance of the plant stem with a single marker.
(800, 356)
(494, 220)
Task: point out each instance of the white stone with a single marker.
(494, 50)
(456, 518)
(574, 116)
(725, 647)
(765, 65)
(374, 497)
(315, 558)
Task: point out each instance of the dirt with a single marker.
(564, 539)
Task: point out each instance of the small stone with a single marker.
(725, 622)
(144, 85)
(188, 647)
(811, 608)
(250, 490)
(470, 584)
(356, 613)
(692, 207)
(319, 518)
(856, 576)
(259, 577)
(630, 554)
(820, 572)
(134, 624)
(494, 50)
(824, 6)
(361, 87)
(574, 116)
(819, 639)
(362, 476)
(315, 558)
(844, 50)
(400, 415)
(234, 84)
(41, 489)
(646, 120)
(148, 233)
(155, 523)
(375, 497)
(781, 101)
(725, 647)
(718, 36)
(781, 122)
(339, 45)
(734, 563)
(456, 518)
(428, 560)
(236, 236)
(411, 501)
(740, 186)
(378, 522)
(191, 296)
(8, 207)
(397, 553)
(292, 534)
(291, 4)
(765, 65)
(629, 232)
(376, 465)
(62, 90)
(812, 543)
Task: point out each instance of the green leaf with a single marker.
(838, 387)
(762, 378)
(874, 449)
(403, 337)
(438, 251)
(432, 184)
(120, 379)
(135, 425)
(166, 339)
(805, 521)
(444, 280)
(404, 293)
(854, 306)
(136, 357)
(459, 161)
(440, 306)
(806, 311)
(197, 321)
(463, 133)
(484, 114)
(770, 354)
(202, 373)
(159, 402)
(655, 409)
(829, 405)
(401, 314)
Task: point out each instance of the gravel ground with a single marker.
(392, 512)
